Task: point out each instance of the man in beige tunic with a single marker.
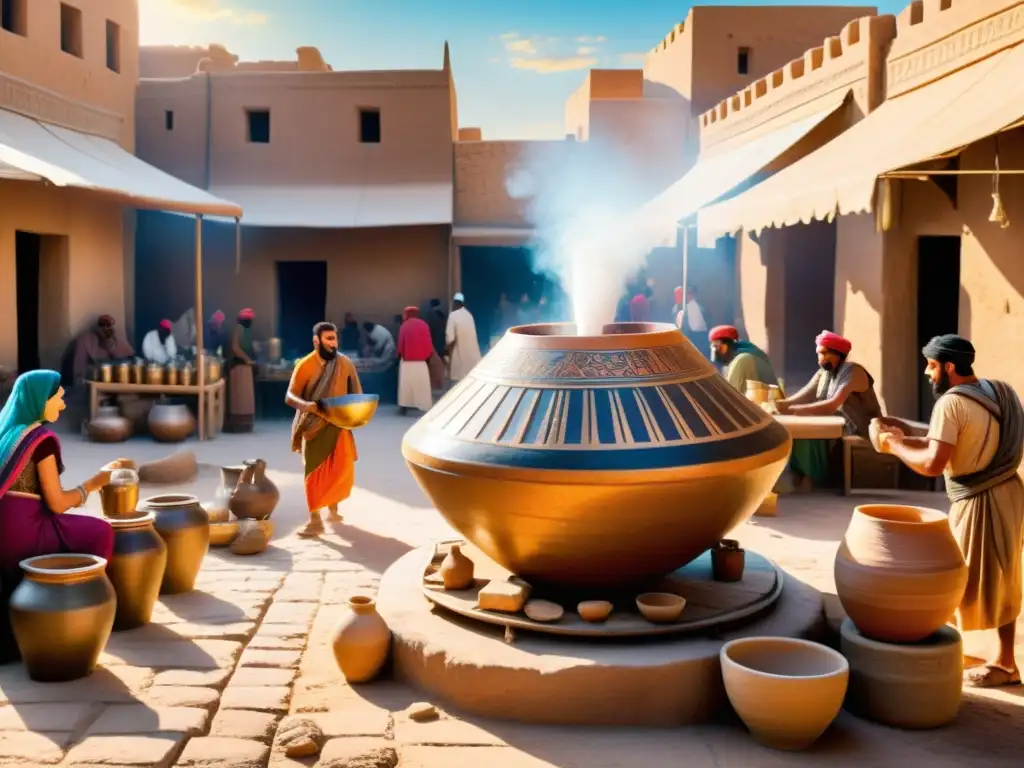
(976, 439)
(461, 345)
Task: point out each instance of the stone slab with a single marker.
(543, 679)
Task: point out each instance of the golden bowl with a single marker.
(660, 607)
(222, 534)
(595, 461)
(350, 411)
(119, 500)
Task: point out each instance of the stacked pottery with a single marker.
(900, 576)
(62, 614)
(185, 528)
(136, 568)
(255, 496)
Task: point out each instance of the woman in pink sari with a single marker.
(32, 500)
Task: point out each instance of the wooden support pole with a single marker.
(200, 323)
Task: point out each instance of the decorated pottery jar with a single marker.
(185, 528)
(595, 460)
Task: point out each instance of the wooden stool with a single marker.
(913, 685)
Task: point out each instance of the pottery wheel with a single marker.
(711, 606)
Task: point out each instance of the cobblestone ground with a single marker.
(221, 670)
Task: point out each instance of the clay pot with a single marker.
(185, 527)
(899, 572)
(456, 569)
(170, 423)
(361, 641)
(727, 561)
(660, 607)
(787, 691)
(136, 410)
(576, 423)
(255, 496)
(137, 569)
(223, 533)
(120, 496)
(62, 614)
(109, 426)
(251, 539)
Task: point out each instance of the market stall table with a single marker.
(803, 428)
(213, 398)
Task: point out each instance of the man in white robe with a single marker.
(461, 345)
(158, 346)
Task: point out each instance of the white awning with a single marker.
(343, 206)
(34, 151)
(932, 121)
(723, 170)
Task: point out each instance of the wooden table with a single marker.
(213, 397)
(813, 427)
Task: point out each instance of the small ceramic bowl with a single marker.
(222, 534)
(594, 610)
(660, 607)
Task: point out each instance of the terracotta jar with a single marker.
(787, 691)
(136, 569)
(170, 422)
(136, 409)
(361, 641)
(62, 614)
(255, 496)
(899, 572)
(109, 426)
(185, 528)
(530, 456)
(456, 569)
(120, 496)
(727, 561)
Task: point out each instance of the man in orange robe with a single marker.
(328, 452)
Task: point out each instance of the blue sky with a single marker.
(514, 62)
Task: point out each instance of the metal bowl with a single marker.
(350, 411)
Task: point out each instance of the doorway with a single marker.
(27, 254)
(301, 304)
(938, 303)
(42, 294)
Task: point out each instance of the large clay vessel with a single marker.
(185, 528)
(361, 641)
(62, 614)
(595, 461)
(170, 422)
(899, 572)
(109, 426)
(255, 496)
(136, 569)
(787, 691)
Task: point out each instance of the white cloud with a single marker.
(523, 45)
(592, 39)
(213, 10)
(632, 58)
(509, 36)
(548, 66)
(586, 50)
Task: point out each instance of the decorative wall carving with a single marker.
(940, 58)
(46, 106)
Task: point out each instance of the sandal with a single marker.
(314, 528)
(991, 676)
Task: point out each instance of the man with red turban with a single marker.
(415, 348)
(158, 346)
(840, 387)
(744, 360)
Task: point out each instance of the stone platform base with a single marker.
(553, 680)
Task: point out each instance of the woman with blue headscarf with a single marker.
(32, 500)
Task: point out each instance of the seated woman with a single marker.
(32, 500)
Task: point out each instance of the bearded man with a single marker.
(744, 360)
(975, 439)
(99, 344)
(328, 452)
(840, 387)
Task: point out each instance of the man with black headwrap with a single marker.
(976, 439)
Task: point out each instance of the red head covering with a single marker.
(639, 309)
(217, 318)
(246, 314)
(724, 333)
(410, 312)
(679, 294)
(833, 342)
(166, 325)
(105, 320)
